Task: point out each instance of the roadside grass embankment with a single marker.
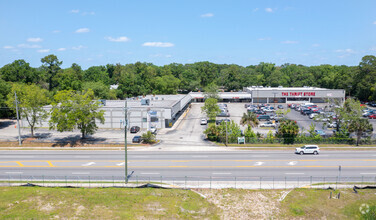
(149, 203)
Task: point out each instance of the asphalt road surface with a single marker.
(202, 165)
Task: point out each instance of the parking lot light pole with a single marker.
(125, 140)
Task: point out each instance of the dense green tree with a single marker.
(73, 110)
(20, 71)
(70, 78)
(101, 90)
(5, 88)
(366, 78)
(96, 74)
(31, 100)
(51, 66)
(210, 108)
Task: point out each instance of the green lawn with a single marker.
(99, 203)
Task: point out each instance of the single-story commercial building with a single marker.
(224, 97)
(294, 94)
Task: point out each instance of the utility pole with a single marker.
(226, 131)
(274, 99)
(125, 139)
(18, 120)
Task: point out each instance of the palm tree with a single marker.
(288, 130)
(249, 119)
(360, 127)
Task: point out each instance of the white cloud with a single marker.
(82, 30)
(158, 44)
(290, 42)
(29, 46)
(374, 22)
(78, 47)
(315, 45)
(43, 50)
(34, 39)
(345, 51)
(62, 49)
(270, 10)
(118, 39)
(74, 11)
(256, 9)
(371, 49)
(207, 15)
(8, 47)
(56, 31)
(265, 38)
(88, 13)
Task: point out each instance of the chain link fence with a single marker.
(240, 182)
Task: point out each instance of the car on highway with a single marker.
(204, 121)
(135, 129)
(308, 149)
(268, 124)
(136, 139)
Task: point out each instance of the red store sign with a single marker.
(298, 94)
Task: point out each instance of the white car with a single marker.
(153, 130)
(311, 116)
(308, 149)
(332, 125)
(204, 121)
(268, 124)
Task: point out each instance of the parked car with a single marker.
(153, 130)
(320, 132)
(268, 124)
(218, 122)
(280, 106)
(135, 129)
(136, 139)
(332, 125)
(311, 116)
(373, 116)
(263, 117)
(260, 112)
(308, 149)
(204, 121)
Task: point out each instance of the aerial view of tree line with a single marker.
(139, 78)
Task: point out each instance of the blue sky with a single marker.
(244, 32)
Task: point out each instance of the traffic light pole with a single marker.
(125, 140)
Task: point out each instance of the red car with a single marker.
(373, 116)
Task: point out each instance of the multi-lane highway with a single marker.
(192, 164)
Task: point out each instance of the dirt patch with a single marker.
(244, 204)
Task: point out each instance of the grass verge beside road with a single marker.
(110, 203)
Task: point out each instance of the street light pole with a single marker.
(18, 120)
(125, 140)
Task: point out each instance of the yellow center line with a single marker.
(19, 163)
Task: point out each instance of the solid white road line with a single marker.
(88, 164)
(368, 173)
(13, 172)
(15, 156)
(81, 156)
(294, 173)
(80, 173)
(140, 156)
(259, 156)
(150, 173)
(199, 156)
(221, 173)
